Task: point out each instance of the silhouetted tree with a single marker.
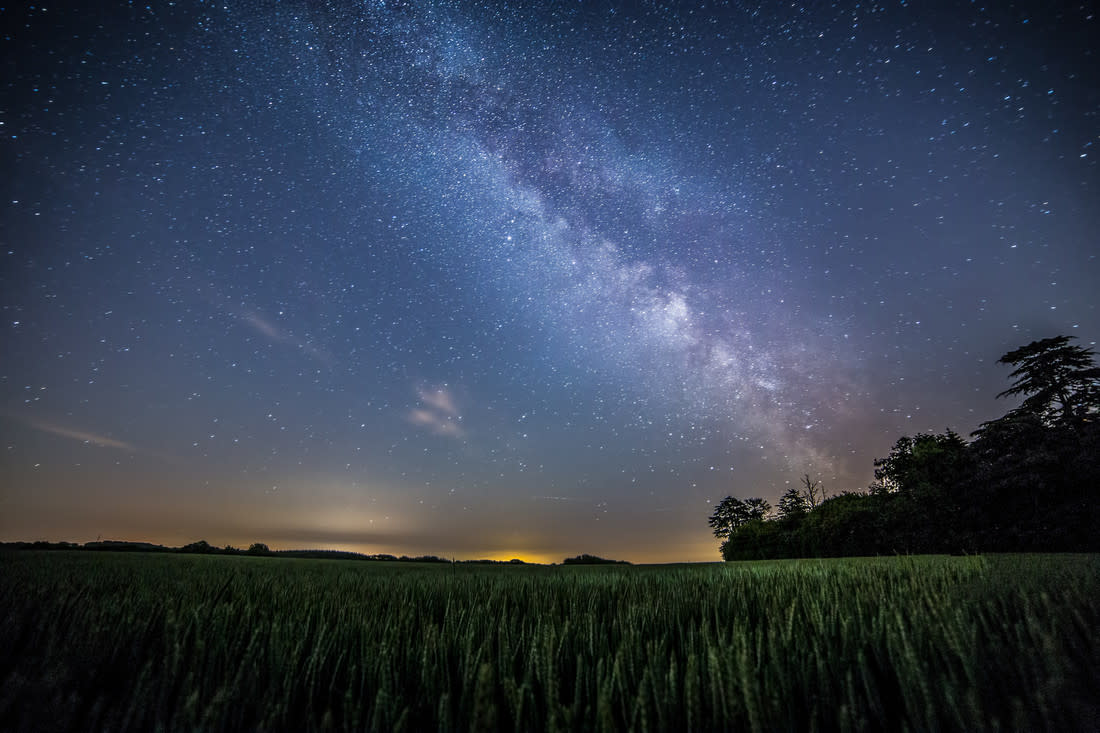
(813, 492)
(758, 508)
(754, 540)
(1061, 384)
(793, 504)
(259, 548)
(730, 514)
(1037, 463)
(920, 464)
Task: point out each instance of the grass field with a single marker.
(103, 641)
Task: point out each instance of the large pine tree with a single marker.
(1061, 384)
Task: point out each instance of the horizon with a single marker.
(545, 558)
(519, 282)
(379, 555)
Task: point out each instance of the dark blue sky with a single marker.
(444, 278)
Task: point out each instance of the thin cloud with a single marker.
(438, 424)
(263, 326)
(440, 399)
(437, 413)
(267, 328)
(82, 435)
(273, 333)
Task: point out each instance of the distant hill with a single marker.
(122, 546)
(591, 560)
(40, 545)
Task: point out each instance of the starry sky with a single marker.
(486, 282)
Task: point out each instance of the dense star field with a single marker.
(482, 282)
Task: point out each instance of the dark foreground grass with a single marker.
(147, 642)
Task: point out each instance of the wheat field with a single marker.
(106, 641)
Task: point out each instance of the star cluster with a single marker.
(458, 279)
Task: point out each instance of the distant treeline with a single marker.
(203, 547)
(1024, 482)
(591, 560)
(258, 549)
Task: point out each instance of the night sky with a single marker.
(478, 282)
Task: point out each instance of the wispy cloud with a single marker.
(437, 413)
(440, 399)
(267, 328)
(272, 332)
(263, 325)
(83, 436)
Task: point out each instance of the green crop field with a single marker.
(104, 641)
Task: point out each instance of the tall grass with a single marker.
(132, 642)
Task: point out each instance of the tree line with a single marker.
(1023, 482)
(202, 547)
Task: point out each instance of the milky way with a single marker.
(455, 279)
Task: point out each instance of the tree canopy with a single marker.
(731, 513)
(1060, 383)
